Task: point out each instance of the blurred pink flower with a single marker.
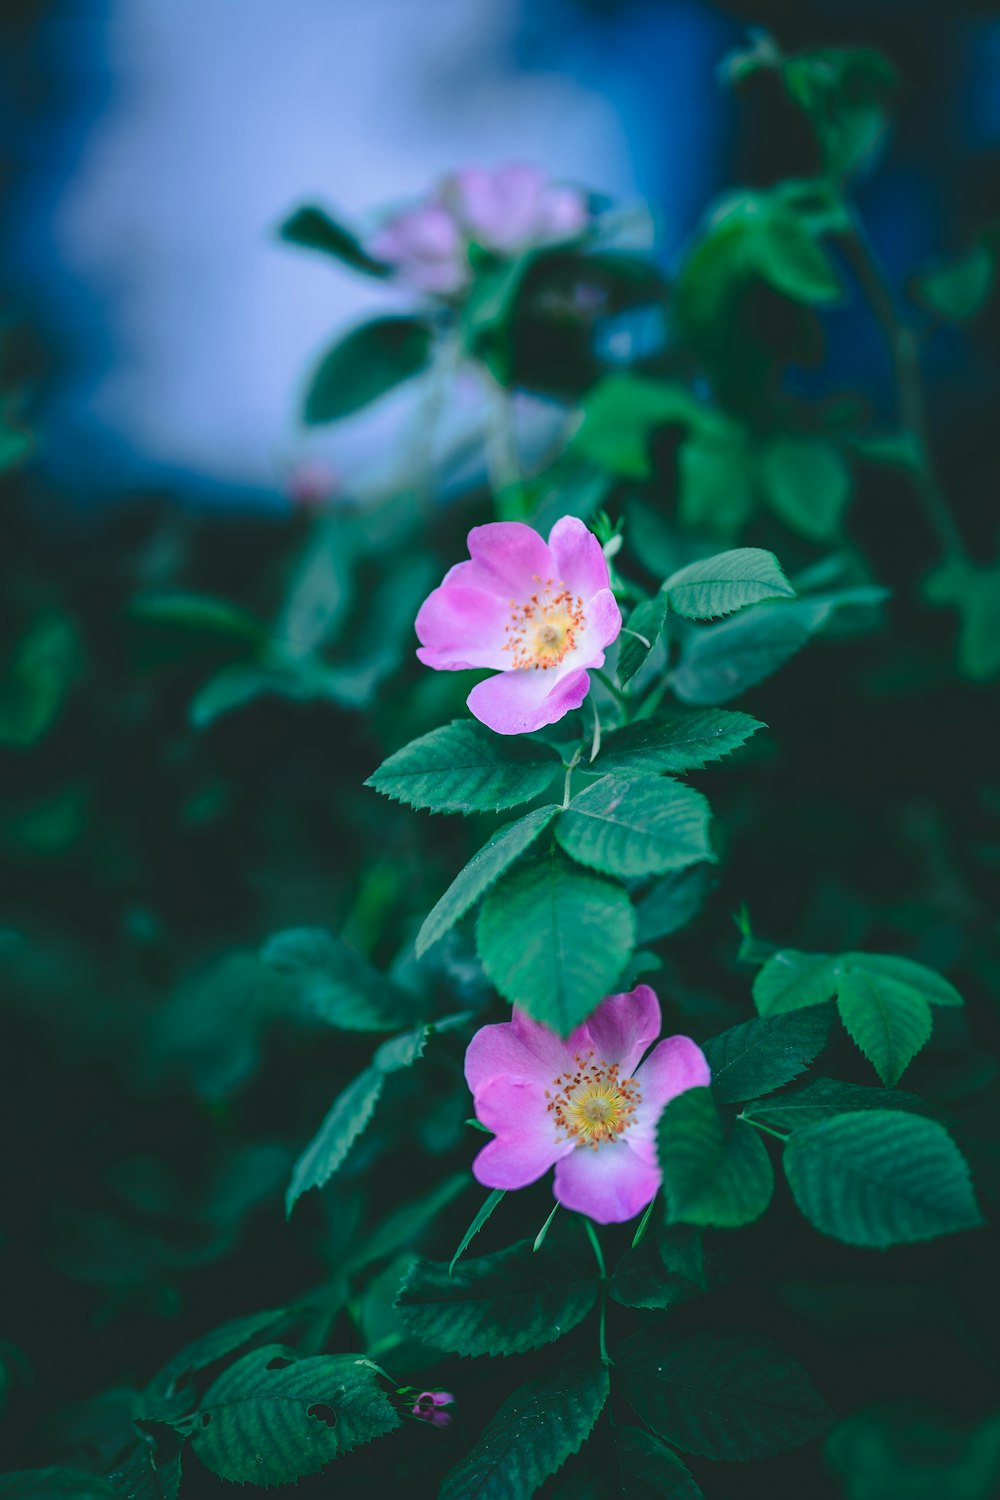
(581, 1103)
(505, 210)
(428, 1404)
(540, 613)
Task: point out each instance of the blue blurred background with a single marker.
(151, 147)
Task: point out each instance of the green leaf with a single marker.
(718, 662)
(677, 742)
(532, 1435)
(890, 969)
(148, 1472)
(807, 484)
(648, 1468)
(975, 593)
(56, 1484)
(619, 416)
(911, 1451)
(822, 1098)
(554, 939)
(273, 1418)
(889, 1022)
(791, 980)
(643, 1279)
(37, 678)
(365, 364)
(399, 1230)
(482, 1214)
(334, 983)
(349, 1114)
(713, 476)
(505, 1303)
(635, 826)
(764, 1054)
(160, 1399)
(880, 1177)
(482, 871)
(727, 582)
(465, 767)
(711, 1175)
(640, 636)
(313, 229)
(671, 903)
(846, 93)
(961, 289)
(728, 1398)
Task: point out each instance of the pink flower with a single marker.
(428, 1404)
(505, 210)
(540, 613)
(581, 1104)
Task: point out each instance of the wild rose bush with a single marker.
(698, 971)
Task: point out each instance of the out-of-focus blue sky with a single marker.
(154, 146)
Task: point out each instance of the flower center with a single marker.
(593, 1104)
(544, 629)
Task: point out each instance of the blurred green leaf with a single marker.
(366, 363)
(807, 484)
(975, 593)
(846, 93)
(312, 229)
(334, 983)
(37, 677)
(645, 624)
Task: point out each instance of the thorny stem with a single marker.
(902, 344)
(603, 1272)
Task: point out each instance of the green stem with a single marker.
(902, 342)
(647, 708)
(602, 1341)
(569, 774)
(620, 698)
(765, 1128)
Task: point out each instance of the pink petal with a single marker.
(622, 1027)
(462, 627)
(564, 214)
(604, 622)
(676, 1065)
(609, 1184)
(519, 702)
(526, 1144)
(513, 555)
(578, 557)
(520, 1048)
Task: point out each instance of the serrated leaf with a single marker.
(481, 1215)
(349, 1114)
(807, 484)
(822, 1098)
(727, 582)
(649, 1468)
(791, 980)
(334, 982)
(642, 1279)
(312, 228)
(904, 971)
(273, 1418)
(554, 939)
(148, 1472)
(160, 1399)
(761, 1055)
(464, 767)
(636, 826)
(532, 1435)
(728, 1398)
(56, 1484)
(711, 1175)
(879, 1178)
(505, 1303)
(889, 1022)
(482, 871)
(366, 363)
(677, 742)
(672, 902)
(718, 662)
(640, 636)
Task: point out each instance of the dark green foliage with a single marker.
(636, 826)
(505, 1303)
(273, 1417)
(532, 1435)
(645, 624)
(552, 938)
(715, 1172)
(366, 363)
(334, 983)
(312, 229)
(724, 1398)
(762, 1055)
(676, 742)
(880, 1177)
(464, 767)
